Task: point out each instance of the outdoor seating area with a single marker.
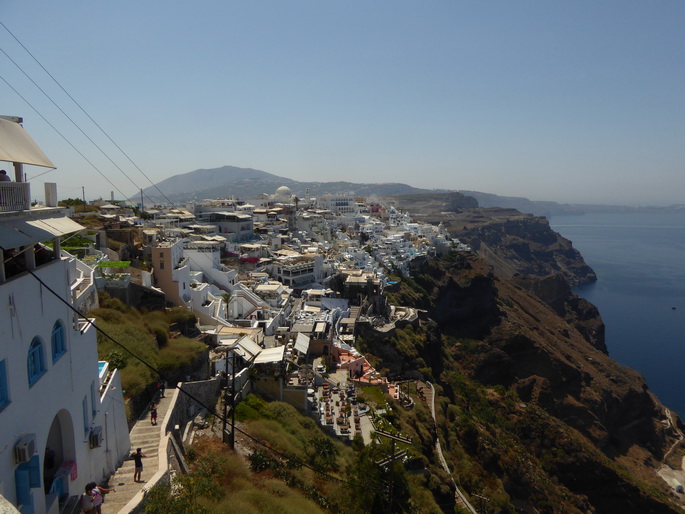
(340, 412)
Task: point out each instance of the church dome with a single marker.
(283, 193)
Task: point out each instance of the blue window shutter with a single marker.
(21, 479)
(34, 472)
(86, 421)
(4, 388)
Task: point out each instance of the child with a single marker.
(153, 413)
(98, 499)
(87, 500)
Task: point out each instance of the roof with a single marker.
(302, 343)
(245, 347)
(303, 327)
(270, 355)
(25, 232)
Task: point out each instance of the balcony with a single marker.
(15, 196)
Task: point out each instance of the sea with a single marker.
(639, 259)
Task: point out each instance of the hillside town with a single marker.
(280, 288)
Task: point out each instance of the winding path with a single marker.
(429, 397)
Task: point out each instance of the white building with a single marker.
(345, 205)
(62, 414)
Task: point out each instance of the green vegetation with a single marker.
(114, 264)
(147, 336)
(77, 204)
(301, 443)
(221, 481)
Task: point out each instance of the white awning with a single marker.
(271, 355)
(57, 226)
(16, 233)
(245, 347)
(17, 146)
(302, 343)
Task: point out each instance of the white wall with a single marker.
(29, 310)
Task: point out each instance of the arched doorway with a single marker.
(59, 454)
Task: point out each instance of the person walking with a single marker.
(153, 414)
(138, 458)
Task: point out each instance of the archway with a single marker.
(59, 452)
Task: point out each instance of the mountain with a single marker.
(230, 181)
(547, 209)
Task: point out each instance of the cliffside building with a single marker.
(61, 411)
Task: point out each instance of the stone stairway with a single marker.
(146, 436)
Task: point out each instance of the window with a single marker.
(59, 346)
(161, 264)
(36, 361)
(4, 389)
(86, 421)
(93, 399)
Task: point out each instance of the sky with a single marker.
(579, 102)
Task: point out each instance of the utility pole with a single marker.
(225, 386)
(142, 208)
(390, 461)
(232, 438)
(83, 192)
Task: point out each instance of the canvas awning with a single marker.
(16, 233)
(245, 347)
(302, 343)
(270, 355)
(17, 146)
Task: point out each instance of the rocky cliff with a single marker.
(607, 429)
(523, 248)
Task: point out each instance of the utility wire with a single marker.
(72, 121)
(86, 113)
(63, 136)
(201, 403)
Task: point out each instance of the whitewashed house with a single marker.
(62, 419)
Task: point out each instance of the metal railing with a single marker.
(15, 196)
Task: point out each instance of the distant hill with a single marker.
(547, 209)
(248, 183)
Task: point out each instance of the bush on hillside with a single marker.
(140, 344)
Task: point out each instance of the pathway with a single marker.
(146, 436)
(675, 478)
(429, 397)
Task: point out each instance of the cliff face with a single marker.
(526, 344)
(498, 333)
(524, 248)
(515, 243)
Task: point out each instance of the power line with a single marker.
(63, 136)
(88, 115)
(200, 402)
(70, 119)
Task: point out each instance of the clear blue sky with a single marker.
(577, 101)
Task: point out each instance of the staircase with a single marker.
(146, 436)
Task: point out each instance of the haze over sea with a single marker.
(639, 259)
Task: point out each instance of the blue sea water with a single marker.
(639, 259)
